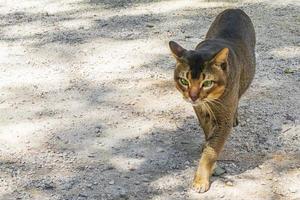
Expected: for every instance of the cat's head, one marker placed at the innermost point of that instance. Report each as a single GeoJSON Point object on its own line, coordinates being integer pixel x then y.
{"type": "Point", "coordinates": [200, 75]}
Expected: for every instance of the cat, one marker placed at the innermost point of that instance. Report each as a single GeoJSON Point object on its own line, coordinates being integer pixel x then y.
{"type": "Point", "coordinates": [213, 78]}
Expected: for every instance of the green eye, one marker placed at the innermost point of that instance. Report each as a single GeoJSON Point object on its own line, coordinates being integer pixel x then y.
{"type": "Point", "coordinates": [207, 84]}
{"type": "Point", "coordinates": [183, 81]}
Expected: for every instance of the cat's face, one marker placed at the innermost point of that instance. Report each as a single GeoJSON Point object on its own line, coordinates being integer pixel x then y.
{"type": "Point", "coordinates": [199, 76]}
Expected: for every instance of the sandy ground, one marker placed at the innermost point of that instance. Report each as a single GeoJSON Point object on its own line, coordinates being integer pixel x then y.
{"type": "Point", "coordinates": [88, 109]}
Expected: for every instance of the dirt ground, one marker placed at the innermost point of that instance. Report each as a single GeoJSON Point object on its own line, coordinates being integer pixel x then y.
{"type": "Point", "coordinates": [88, 109]}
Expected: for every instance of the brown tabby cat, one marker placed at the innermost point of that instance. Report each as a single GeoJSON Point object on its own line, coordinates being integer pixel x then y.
{"type": "Point", "coordinates": [213, 78]}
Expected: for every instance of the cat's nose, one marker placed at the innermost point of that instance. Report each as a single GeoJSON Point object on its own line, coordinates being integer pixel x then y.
{"type": "Point", "coordinates": [194, 94]}
{"type": "Point", "coordinates": [194, 97]}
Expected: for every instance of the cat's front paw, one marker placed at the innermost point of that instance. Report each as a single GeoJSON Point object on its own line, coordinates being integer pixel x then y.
{"type": "Point", "coordinates": [200, 185]}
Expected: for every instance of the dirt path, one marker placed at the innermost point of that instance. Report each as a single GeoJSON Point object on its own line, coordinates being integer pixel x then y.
{"type": "Point", "coordinates": [88, 109]}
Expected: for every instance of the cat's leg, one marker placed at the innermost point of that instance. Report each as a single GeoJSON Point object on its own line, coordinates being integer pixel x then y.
{"type": "Point", "coordinates": [207, 163]}
{"type": "Point", "coordinates": [204, 170]}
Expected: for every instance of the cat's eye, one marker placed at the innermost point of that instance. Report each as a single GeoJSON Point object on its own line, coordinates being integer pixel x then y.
{"type": "Point", "coordinates": [207, 84]}
{"type": "Point", "coordinates": [183, 81]}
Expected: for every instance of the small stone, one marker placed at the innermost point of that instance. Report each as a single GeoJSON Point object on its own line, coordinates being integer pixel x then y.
{"type": "Point", "coordinates": [289, 117]}
{"type": "Point", "coordinates": [137, 183]}
{"type": "Point", "coordinates": [269, 171]}
{"type": "Point", "coordinates": [123, 193]}
{"type": "Point", "coordinates": [242, 124]}
{"type": "Point", "coordinates": [126, 176]}
{"type": "Point", "coordinates": [82, 195]}
{"type": "Point", "coordinates": [132, 169]}
{"type": "Point", "coordinates": [229, 183]}
{"type": "Point", "coordinates": [48, 186]}
{"type": "Point", "coordinates": [98, 130]}
{"type": "Point", "coordinates": [260, 166]}
{"type": "Point", "coordinates": [111, 182]}
{"type": "Point", "coordinates": [145, 180]}
{"type": "Point", "coordinates": [219, 171]}
{"type": "Point", "coordinates": [292, 190]}
{"type": "Point", "coordinates": [110, 168]}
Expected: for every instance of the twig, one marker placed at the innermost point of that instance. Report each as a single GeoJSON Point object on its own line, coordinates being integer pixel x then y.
{"type": "Point", "coordinates": [286, 130]}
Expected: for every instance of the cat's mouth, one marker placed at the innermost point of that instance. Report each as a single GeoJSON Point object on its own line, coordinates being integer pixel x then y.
{"type": "Point", "coordinates": [194, 103]}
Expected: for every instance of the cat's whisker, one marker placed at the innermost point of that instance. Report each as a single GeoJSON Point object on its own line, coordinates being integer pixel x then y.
{"type": "Point", "coordinates": [216, 106]}
{"type": "Point", "coordinates": [219, 104]}
{"type": "Point", "coordinates": [203, 108]}
{"type": "Point", "coordinates": [210, 111]}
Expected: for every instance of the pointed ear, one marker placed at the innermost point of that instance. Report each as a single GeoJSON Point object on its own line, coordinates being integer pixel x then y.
{"type": "Point", "coordinates": [221, 56]}
{"type": "Point", "coordinates": [176, 49]}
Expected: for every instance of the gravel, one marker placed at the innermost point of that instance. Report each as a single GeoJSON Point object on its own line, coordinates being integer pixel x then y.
{"type": "Point", "coordinates": [88, 109]}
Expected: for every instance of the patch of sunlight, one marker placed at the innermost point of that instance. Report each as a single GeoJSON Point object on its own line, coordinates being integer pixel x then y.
{"type": "Point", "coordinates": [74, 24]}
{"type": "Point", "coordinates": [7, 51]}
{"type": "Point", "coordinates": [240, 187]}
{"type": "Point", "coordinates": [20, 67]}
{"type": "Point", "coordinates": [22, 31]}
{"type": "Point", "coordinates": [30, 76]}
{"type": "Point", "coordinates": [168, 182]}
{"type": "Point", "coordinates": [50, 6]}
{"type": "Point", "coordinates": [290, 185]}
{"type": "Point", "coordinates": [126, 164]}
{"type": "Point", "coordinates": [166, 7]}
{"type": "Point", "coordinates": [131, 128]}
{"type": "Point", "coordinates": [16, 137]}
{"type": "Point", "coordinates": [111, 55]}
{"type": "Point", "coordinates": [286, 52]}
{"type": "Point", "coordinates": [13, 114]}
{"type": "Point", "coordinates": [168, 100]}
{"type": "Point", "coordinates": [274, 176]}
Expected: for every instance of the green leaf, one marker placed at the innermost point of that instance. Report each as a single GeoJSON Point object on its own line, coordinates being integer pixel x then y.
{"type": "Point", "coordinates": [289, 71]}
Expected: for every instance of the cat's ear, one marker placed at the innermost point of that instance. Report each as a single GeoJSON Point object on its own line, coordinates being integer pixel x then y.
{"type": "Point", "coordinates": [176, 49]}
{"type": "Point", "coordinates": [221, 56]}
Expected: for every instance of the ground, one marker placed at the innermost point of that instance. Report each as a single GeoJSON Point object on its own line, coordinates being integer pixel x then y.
{"type": "Point", "coordinates": [88, 108]}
